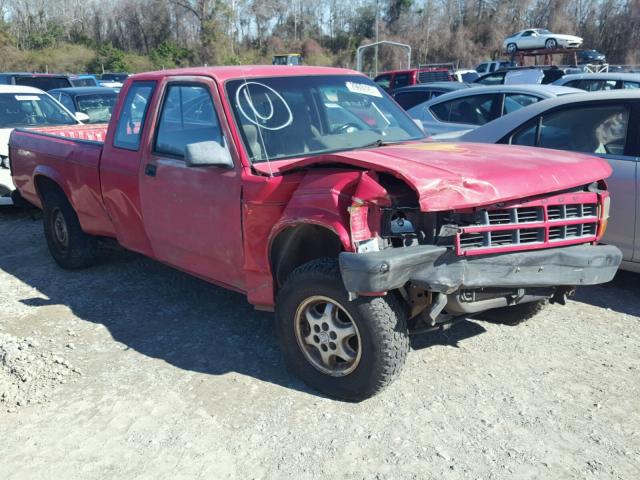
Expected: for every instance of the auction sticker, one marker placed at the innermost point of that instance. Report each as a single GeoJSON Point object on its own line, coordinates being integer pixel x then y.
{"type": "Point", "coordinates": [364, 89]}
{"type": "Point", "coordinates": [26, 98]}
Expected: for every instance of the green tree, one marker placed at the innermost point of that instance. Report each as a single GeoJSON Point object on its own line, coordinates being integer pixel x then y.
{"type": "Point", "coordinates": [169, 54]}
{"type": "Point", "coordinates": [108, 59]}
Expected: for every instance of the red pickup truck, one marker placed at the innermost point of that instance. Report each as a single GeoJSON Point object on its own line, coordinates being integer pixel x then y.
{"type": "Point", "coordinates": [313, 193]}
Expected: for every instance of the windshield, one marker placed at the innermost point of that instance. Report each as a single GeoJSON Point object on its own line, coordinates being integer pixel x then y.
{"type": "Point", "coordinates": [284, 117]}
{"type": "Point", "coordinates": [25, 110]}
{"type": "Point", "coordinates": [98, 106]}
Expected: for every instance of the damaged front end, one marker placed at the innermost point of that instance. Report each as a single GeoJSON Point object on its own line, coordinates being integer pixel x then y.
{"type": "Point", "coordinates": [476, 259]}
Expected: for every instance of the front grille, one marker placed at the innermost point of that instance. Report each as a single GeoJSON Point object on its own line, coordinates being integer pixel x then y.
{"type": "Point", "coordinates": [560, 220]}
{"type": "Point", "coordinates": [572, 231]}
{"type": "Point", "coordinates": [576, 210]}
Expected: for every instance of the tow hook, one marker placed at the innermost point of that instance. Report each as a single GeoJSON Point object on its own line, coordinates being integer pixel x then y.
{"type": "Point", "coordinates": [560, 297]}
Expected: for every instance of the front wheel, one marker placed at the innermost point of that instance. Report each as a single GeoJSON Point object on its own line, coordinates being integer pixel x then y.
{"type": "Point", "coordinates": [512, 48]}
{"type": "Point", "coordinates": [346, 349]}
{"type": "Point", "coordinates": [551, 43]}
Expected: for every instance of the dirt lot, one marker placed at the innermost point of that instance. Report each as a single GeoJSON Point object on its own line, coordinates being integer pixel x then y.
{"type": "Point", "coordinates": [133, 370]}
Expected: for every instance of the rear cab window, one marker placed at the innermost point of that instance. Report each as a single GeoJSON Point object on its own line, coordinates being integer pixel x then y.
{"type": "Point", "coordinates": [133, 115]}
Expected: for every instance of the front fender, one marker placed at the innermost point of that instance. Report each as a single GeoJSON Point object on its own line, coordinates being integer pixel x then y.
{"type": "Point", "coordinates": [322, 198]}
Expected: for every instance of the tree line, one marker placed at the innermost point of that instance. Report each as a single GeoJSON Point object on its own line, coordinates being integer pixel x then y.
{"type": "Point", "coordinates": [137, 35]}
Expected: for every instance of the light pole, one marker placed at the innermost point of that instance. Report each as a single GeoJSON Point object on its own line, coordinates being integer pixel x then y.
{"type": "Point", "coordinates": [376, 52]}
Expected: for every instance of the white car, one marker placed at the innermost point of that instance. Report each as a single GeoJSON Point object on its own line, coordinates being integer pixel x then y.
{"type": "Point", "coordinates": [539, 38]}
{"type": "Point", "coordinates": [24, 107]}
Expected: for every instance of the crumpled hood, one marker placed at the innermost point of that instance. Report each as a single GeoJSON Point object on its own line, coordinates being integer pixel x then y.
{"type": "Point", "coordinates": [450, 176]}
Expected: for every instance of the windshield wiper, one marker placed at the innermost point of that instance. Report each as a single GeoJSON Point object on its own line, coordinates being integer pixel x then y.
{"type": "Point", "coordinates": [381, 143]}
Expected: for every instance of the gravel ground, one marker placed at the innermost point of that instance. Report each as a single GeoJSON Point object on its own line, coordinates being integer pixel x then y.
{"type": "Point", "coordinates": [133, 370]}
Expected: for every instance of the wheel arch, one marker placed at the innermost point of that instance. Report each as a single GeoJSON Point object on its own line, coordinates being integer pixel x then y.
{"type": "Point", "coordinates": [45, 184]}
{"type": "Point", "coordinates": [46, 180]}
{"type": "Point", "coordinates": [295, 245]}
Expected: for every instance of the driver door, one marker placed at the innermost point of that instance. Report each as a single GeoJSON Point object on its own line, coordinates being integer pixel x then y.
{"type": "Point", "coordinates": [526, 40]}
{"type": "Point", "coordinates": [192, 213]}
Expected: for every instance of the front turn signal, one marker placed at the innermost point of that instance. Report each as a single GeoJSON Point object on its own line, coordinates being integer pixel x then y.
{"type": "Point", "coordinates": [605, 208]}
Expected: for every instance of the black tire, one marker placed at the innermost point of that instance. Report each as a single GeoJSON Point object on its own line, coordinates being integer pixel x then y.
{"type": "Point", "coordinates": [77, 249]}
{"type": "Point", "coordinates": [514, 314]}
{"type": "Point", "coordinates": [383, 339]}
{"type": "Point", "coordinates": [20, 202]}
{"type": "Point", "coordinates": [550, 44]}
{"type": "Point", "coordinates": [512, 48]}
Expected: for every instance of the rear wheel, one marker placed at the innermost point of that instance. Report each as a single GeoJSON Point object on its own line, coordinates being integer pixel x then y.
{"type": "Point", "coordinates": [512, 48]}
{"type": "Point", "coordinates": [515, 314]}
{"type": "Point", "coordinates": [69, 245]}
{"type": "Point", "coordinates": [551, 43]}
{"type": "Point", "coordinates": [349, 350]}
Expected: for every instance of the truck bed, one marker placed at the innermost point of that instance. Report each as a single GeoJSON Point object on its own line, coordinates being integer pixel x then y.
{"type": "Point", "coordinates": [70, 155]}
{"type": "Point", "coordinates": [94, 133]}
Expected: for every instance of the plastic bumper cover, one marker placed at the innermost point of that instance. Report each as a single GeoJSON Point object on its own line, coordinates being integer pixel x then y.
{"type": "Point", "coordinates": [440, 270]}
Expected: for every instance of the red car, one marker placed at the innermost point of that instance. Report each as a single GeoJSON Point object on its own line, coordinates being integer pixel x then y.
{"type": "Point", "coordinates": [401, 78]}
{"type": "Point", "coordinates": [266, 180]}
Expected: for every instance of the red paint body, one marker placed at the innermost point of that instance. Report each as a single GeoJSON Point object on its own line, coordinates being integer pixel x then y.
{"type": "Point", "coordinates": [224, 234]}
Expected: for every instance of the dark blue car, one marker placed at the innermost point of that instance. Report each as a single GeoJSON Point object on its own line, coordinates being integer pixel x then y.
{"type": "Point", "coordinates": [96, 102]}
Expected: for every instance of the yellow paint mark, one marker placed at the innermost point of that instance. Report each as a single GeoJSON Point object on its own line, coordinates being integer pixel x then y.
{"type": "Point", "coordinates": [434, 147]}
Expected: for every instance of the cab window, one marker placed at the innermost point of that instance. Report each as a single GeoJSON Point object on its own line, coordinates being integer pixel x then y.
{"type": "Point", "coordinates": [133, 116]}
{"type": "Point", "coordinates": [188, 116]}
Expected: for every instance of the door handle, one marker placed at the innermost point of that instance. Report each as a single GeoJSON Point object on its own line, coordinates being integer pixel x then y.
{"type": "Point", "coordinates": [150, 170]}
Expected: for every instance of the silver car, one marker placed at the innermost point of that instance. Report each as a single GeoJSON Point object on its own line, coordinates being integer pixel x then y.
{"type": "Point", "coordinates": [593, 82]}
{"type": "Point", "coordinates": [606, 124]}
{"type": "Point", "coordinates": [471, 107]}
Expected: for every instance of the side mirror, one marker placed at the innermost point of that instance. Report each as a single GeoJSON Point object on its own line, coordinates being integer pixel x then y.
{"type": "Point", "coordinates": [82, 117]}
{"type": "Point", "coordinates": [208, 153]}
{"type": "Point", "coordinates": [419, 124]}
